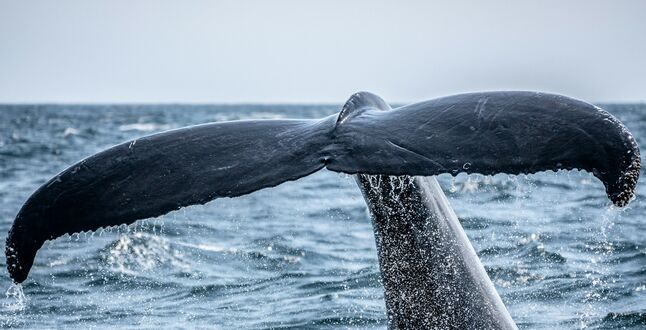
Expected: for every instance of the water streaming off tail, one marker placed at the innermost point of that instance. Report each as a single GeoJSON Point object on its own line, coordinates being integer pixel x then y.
{"type": "Point", "coordinates": [600, 267]}
{"type": "Point", "coordinates": [17, 298]}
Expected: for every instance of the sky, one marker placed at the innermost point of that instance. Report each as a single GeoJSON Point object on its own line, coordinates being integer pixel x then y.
{"type": "Point", "coordinates": [317, 51]}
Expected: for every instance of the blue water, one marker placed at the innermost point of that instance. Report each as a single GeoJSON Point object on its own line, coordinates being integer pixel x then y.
{"type": "Point", "coordinates": [302, 255]}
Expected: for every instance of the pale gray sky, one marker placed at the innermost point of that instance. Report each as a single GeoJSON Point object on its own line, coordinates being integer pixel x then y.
{"type": "Point", "coordinates": [317, 51]}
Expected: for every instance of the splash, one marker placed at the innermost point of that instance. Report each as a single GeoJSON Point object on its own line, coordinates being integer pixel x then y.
{"type": "Point", "coordinates": [141, 252]}
{"type": "Point", "coordinates": [18, 298]}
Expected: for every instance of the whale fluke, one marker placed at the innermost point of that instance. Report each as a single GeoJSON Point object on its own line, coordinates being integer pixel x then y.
{"type": "Point", "coordinates": [488, 133]}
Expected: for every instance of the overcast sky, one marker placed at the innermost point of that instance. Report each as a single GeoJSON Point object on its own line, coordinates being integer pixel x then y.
{"type": "Point", "coordinates": [317, 51]}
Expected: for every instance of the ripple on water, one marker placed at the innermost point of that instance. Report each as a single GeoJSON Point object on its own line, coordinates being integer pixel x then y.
{"type": "Point", "coordinates": [302, 255]}
{"type": "Point", "coordinates": [622, 320]}
{"type": "Point", "coordinates": [134, 253]}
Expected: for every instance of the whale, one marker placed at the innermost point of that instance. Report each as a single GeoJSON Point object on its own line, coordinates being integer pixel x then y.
{"type": "Point", "coordinates": [431, 274]}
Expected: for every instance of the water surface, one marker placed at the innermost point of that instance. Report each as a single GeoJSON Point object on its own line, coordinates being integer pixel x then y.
{"type": "Point", "coordinates": [302, 255]}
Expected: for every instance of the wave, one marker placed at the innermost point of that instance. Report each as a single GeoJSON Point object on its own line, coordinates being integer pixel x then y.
{"type": "Point", "coordinates": [144, 127]}
{"type": "Point", "coordinates": [136, 253]}
{"type": "Point", "coordinates": [623, 320]}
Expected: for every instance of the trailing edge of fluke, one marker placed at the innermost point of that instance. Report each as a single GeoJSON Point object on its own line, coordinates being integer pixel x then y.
{"type": "Point", "coordinates": [487, 133]}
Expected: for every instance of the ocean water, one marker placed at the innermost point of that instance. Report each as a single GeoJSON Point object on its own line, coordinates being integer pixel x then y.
{"type": "Point", "coordinates": [302, 255]}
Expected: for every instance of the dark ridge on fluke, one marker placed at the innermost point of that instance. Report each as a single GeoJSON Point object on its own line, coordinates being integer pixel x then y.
{"type": "Point", "coordinates": [487, 133]}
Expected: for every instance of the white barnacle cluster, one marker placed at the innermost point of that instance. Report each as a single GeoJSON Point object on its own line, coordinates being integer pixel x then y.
{"type": "Point", "coordinates": [628, 182]}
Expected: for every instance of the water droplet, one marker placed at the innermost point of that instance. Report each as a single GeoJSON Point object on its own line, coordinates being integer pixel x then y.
{"type": "Point", "coordinates": [20, 301]}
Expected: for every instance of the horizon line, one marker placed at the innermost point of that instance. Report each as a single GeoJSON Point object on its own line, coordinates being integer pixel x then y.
{"type": "Point", "coordinates": [235, 103]}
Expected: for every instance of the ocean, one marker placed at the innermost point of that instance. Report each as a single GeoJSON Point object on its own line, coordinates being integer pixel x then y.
{"type": "Point", "coordinates": [302, 255]}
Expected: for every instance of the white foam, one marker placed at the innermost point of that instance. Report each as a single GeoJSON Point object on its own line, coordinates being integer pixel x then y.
{"type": "Point", "coordinates": [16, 294]}
{"type": "Point", "coordinates": [144, 127]}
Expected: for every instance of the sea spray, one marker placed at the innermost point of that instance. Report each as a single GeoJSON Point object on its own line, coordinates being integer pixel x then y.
{"type": "Point", "coordinates": [16, 296]}
{"type": "Point", "coordinates": [598, 268]}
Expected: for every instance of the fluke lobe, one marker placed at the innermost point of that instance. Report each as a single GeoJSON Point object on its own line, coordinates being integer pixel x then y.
{"type": "Point", "coordinates": [487, 133]}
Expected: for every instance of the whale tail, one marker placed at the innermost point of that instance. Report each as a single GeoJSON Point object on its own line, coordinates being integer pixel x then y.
{"type": "Point", "coordinates": [488, 133]}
